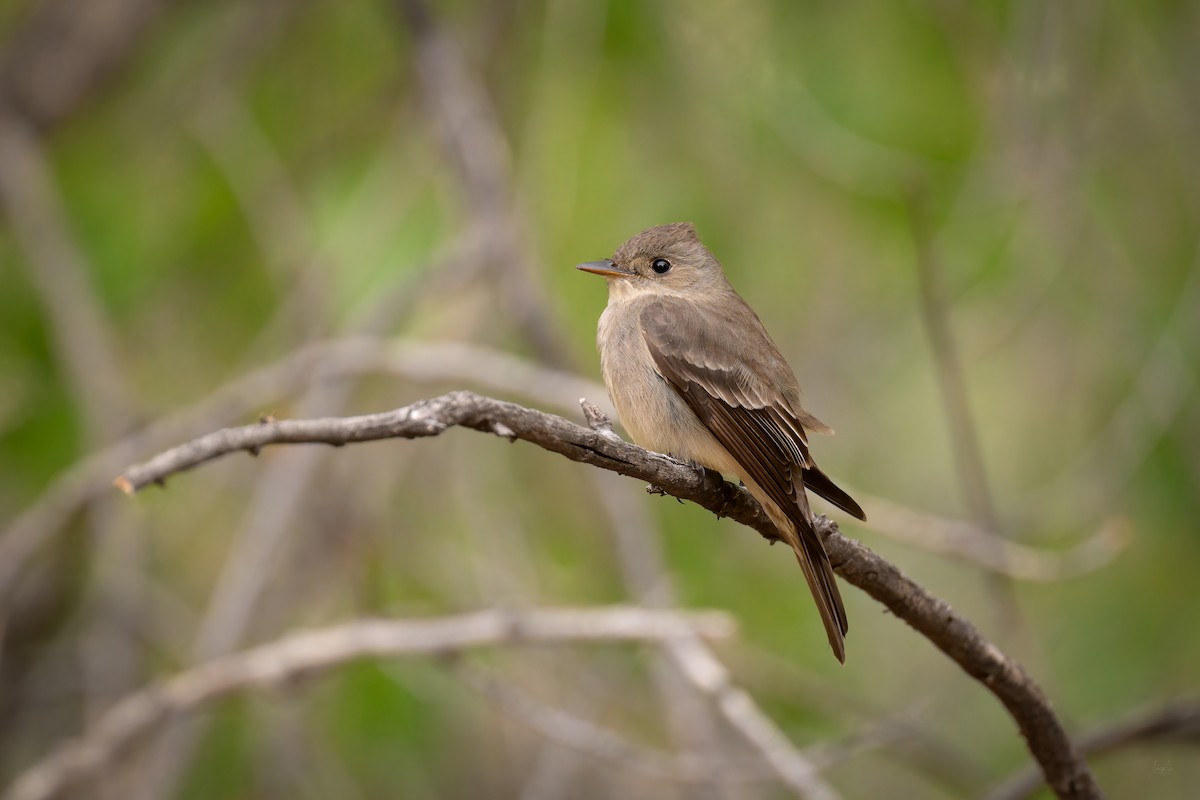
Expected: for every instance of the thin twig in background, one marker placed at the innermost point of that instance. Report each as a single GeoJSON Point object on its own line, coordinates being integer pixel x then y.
{"type": "Point", "coordinates": [920, 743]}
{"type": "Point", "coordinates": [968, 457]}
{"type": "Point", "coordinates": [303, 655]}
{"type": "Point", "coordinates": [86, 349]}
{"type": "Point", "coordinates": [1065, 771]}
{"type": "Point", "coordinates": [1177, 720]}
{"type": "Point", "coordinates": [1157, 394]}
{"type": "Point", "coordinates": [84, 341]}
{"type": "Point", "coordinates": [970, 470]}
{"type": "Point", "coordinates": [970, 543]}
{"type": "Point", "coordinates": [642, 564]}
{"type": "Point", "coordinates": [473, 142]}
{"type": "Point", "coordinates": [269, 522]}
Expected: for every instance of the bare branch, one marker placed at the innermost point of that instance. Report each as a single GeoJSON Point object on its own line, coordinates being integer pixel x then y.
{"type": "Point", "coordinates": [954, 635]}
{"type": "Point", "coordinates": [430, 418]}
{"type": "Point", "coordinates": [319, 651]}
{"type": "Point", "coordinates": [1176, 720]}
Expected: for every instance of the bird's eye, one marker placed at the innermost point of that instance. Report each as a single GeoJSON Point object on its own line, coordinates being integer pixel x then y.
{"type": "Point", "coordinates": [661, 265]}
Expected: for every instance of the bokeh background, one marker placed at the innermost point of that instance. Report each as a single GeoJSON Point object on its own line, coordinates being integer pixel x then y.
{"type": "Point", "coordinates": [913, 195]}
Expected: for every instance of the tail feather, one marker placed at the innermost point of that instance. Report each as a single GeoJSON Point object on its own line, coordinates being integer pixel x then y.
{"type": "Point", "coordinates": [821, 485]}
{"type": "Point", "coordinates": [797, 531]}
{"type": "Point", "coordinates": [821, 583]}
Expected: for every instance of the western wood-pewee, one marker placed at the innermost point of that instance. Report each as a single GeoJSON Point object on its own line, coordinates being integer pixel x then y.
{"type": "Point", "coordinates": [693, 373]}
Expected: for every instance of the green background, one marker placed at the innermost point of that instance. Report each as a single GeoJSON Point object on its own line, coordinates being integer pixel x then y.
{"type": "Point", "coordinates": [259, 176]}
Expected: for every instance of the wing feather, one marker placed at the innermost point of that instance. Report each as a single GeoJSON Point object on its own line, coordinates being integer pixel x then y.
{"type": "Point", "coordinates": [756, 423]}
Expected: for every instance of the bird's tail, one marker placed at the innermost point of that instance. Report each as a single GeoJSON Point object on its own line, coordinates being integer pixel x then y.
{"type": "Point", "coordinates": [797, 530]}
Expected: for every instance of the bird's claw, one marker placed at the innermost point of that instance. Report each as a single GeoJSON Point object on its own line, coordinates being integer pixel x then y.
{"type": "Point", "coordinates": [659, 491]}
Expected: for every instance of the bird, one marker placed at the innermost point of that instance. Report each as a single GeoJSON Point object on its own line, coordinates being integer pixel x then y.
{"type": "Point", "coordinates": [693, 373]}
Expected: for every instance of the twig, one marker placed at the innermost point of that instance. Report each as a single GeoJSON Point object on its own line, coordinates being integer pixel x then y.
{"type": "Point", "coordinates": [317, 652]}
{"type": "Point", "coordinates": [430, 418]}
{"type": "Point", "coordinates": [1065, 771]}
{"type": "Point", "coordinates": [1175, 720]}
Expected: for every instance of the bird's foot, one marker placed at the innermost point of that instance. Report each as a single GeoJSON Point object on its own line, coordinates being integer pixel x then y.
{"type": "Point", "coordinates": [659, 491]}
{"type": "Point", "coordinates": [729, 494]}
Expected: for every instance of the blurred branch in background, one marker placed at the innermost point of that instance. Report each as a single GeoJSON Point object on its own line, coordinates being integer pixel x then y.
{"type": "Point", "coordinates": [85, 343]}
{"type": "Point", "coordinates": [697, 662]}
{"type": "Point", "coordinates": [970, 470]}
{"type": "Point", "coordinates": [282, 228]}
{"type": "Point", "coordinates": [968, 542]}
{"type": "Point", "coordinates": [268, 526]}
{"type": "Point", "coordinates": [605, 745]}
{"type": "Point", "coordinates": [65, 51]}
{"type": "Point", "coordinates": [1066, 773]}
{"type": "Point", "coordinates": [495, 371]}
{"type": "Point", "coordinates": [1177, 720]}
{"type": "Point", "coordinates": [86, 350]}
{"type": "Point", "coordinates": [50, 67]}
{"type": "Point", "coordinates": [968, 457]}
{"type": "Point", "coordinates": [1157, 397]}
{"type": "Point", "coordinates": [301, 656]}
{"type": "Point", "coordinates": [473, 142]}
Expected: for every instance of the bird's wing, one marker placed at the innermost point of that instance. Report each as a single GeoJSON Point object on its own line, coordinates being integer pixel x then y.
{"type": "Point", "coordinates": [728, 385]}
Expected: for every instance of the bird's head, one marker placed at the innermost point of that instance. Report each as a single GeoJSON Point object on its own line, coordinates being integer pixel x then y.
{"type": "Point", "coordinates": [667, 259]}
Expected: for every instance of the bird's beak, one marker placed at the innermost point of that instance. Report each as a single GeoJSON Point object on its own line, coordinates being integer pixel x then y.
{"type": "Point", "coordinates": [606, 268]}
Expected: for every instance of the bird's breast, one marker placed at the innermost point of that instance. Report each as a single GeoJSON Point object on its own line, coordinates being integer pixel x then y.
{"type": "Point", "coordinates": [652, 412]}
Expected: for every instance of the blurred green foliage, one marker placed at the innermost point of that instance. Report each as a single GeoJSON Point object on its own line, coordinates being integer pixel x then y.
{"type": "Point", "coordinates": [243, 152]}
